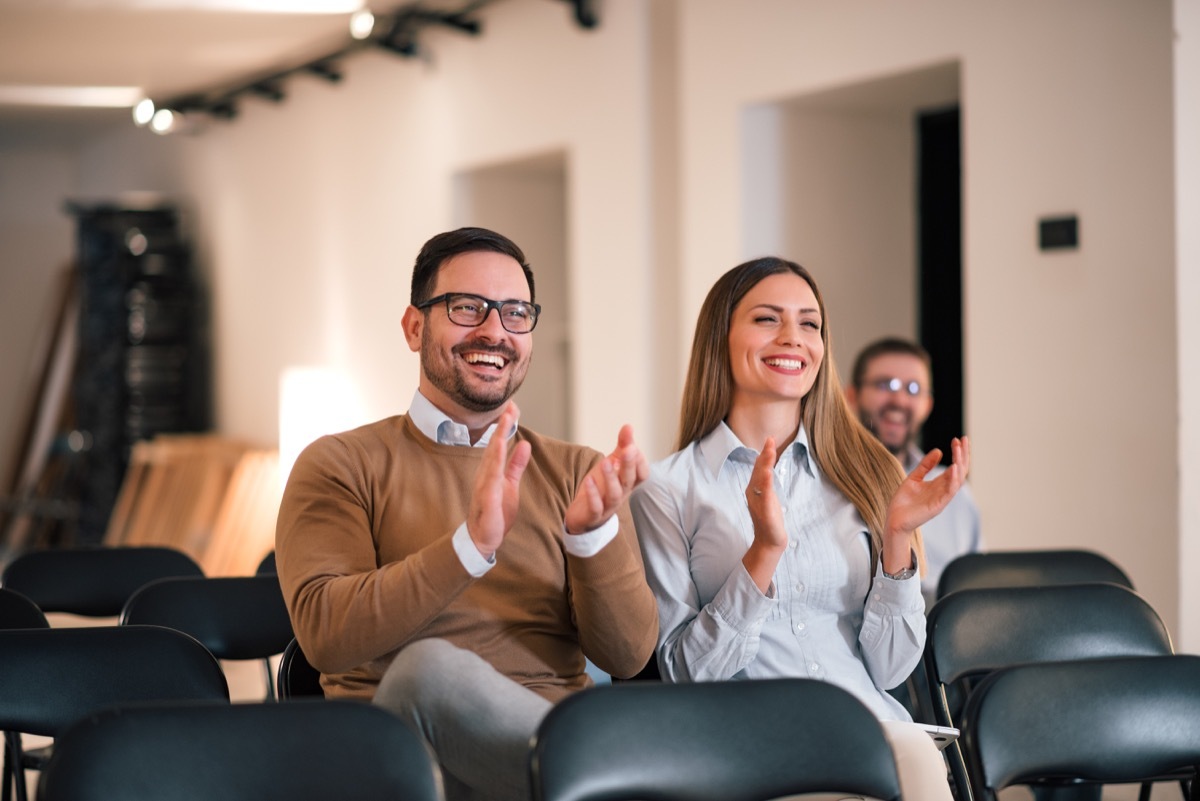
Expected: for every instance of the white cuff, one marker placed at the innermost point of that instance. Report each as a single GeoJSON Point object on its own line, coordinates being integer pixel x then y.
{"type": "Point", "coordinates": [474, 562]}
{"type": "Point", "coordinates": [589, 543]}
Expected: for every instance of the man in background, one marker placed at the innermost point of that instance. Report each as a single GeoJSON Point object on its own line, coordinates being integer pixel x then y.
{"type": "Point", "coordinates": [891, 390]}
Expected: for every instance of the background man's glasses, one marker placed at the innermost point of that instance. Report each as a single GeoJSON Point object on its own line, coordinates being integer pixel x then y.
{"type": "Point", "coordinates": [469, 311]}
{"type": "Point", "coordinates": [911, 388]}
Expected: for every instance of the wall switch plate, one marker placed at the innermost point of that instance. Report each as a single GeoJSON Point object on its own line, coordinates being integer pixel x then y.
{"type": "Point", "coordinates": [1058, 233]}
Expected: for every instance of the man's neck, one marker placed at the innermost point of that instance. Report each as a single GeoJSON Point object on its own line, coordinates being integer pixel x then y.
{"type": "Point", "coordinates": [476, 423]}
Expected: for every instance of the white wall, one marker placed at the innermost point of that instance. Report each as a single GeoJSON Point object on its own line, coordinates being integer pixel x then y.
{"type": "Point", "coordinates": [307, 216]}
{"type": "Point", "coordinates": [1187, 304]}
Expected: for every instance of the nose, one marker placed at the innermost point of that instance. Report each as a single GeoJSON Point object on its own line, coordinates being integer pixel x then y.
{"type": "Point", "coordinates": [491, 327]}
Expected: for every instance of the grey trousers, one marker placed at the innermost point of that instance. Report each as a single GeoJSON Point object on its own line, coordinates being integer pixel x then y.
{"type": "Point", "coordinates": [478, 722]}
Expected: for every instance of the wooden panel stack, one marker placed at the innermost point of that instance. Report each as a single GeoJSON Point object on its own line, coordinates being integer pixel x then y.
{"type": "Point", "coordinates": [216, 499]}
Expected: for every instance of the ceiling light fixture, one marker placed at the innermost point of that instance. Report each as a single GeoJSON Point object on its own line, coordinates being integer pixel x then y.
{"type": "Point", "coordinates": [397, 32]}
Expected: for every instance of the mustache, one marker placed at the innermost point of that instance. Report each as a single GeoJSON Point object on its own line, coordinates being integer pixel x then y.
{"type": "Point", "coordinates": [499, 349]}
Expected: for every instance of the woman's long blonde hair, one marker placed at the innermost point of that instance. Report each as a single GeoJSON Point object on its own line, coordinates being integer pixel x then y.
{"type": "Point", "coordinates": [845, 451]}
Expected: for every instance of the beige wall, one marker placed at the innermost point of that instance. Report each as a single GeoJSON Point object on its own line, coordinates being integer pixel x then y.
{"type": "Point", "coordinates": [307, 216]}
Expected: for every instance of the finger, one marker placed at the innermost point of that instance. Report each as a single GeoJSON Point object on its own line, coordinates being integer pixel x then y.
{"type": "Point", "coordinates": [625, 437]}
{"type": "Point", "coordinates": [611, 490]}
{"type": "Point", "coordinates": [928, 463]}
{"type": "Point", "coordinates": [518, 461]}
{"type": "Point", "coordinates": [591, 497]}
{"type": "Point", "coordinates": [762, 478]}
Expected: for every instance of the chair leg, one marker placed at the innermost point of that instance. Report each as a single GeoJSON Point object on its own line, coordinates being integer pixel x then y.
{"type": "Point", "coordinates": [1145, 790]}
{"type": "Point", "coordinates": [8, 776]}
{"type": "Point", "coordinates": [12, 752]}
{"type": "Point", "coordinates": [270, 679]}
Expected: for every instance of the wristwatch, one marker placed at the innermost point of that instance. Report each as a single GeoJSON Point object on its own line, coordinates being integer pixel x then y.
{"type": "Point", "coordinates": [906, 573]}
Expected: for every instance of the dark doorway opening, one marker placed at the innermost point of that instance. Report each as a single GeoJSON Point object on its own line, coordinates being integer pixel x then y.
{"type": "Point", "coordinates": [939, 270]}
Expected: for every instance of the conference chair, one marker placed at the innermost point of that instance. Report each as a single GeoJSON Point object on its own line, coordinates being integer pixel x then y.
{"type": "Point", "coordinates": [50, 677]}
{"type": "Point", "coordinates": [1028, 569]}
{"type": "Point", "coordinates": [235, 617]}
{"type": "Point", "coordinates": [92, 582]}
{"type": "Point", "coordinates": [711, 741]}
{"type": "Point", "coordinates": [971, 633]}
{"type": "Point", "coordinates": [300, 751]}
{"type": "Point", "coordinates": [297, 678]}
{"type": "Point", "coordinates": [267, 565]}
{"type": "Point", "coordinates": [16, 612]}
{"type": "Point", "coordinates": [1102, 721]}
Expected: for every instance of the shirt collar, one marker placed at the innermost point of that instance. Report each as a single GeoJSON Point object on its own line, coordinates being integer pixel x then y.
{"type": "Point", "coordinates": [439, 427]}
{"type": "Point", "coordinates": [912, 456]}
{"type": "Point", "coordinates": [721, 444]}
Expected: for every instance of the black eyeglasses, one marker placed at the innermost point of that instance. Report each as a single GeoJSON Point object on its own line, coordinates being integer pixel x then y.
{"type": "Point", "coordinates": [911, 388]}
{"type": "Point", "coordinates": [469, 311]}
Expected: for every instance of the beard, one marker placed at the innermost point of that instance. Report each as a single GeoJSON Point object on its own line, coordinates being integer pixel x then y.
{"type": "Point", "coordinates": [467, 389]}
{"type": "Point", "coordinates": [898, 451]}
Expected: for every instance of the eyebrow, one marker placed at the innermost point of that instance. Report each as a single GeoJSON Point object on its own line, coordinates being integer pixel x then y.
{"type": "Point", "coordinates": [773, 307]}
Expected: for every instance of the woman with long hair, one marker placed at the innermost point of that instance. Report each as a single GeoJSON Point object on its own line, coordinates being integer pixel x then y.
{"type": "Point", "coordinates": [781, 538]}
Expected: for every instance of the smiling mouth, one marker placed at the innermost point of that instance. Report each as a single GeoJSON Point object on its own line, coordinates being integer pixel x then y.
{"type": "Point", "coordinates": [490, 358]}
{"type": "Point", "coordinates": [784, 364]}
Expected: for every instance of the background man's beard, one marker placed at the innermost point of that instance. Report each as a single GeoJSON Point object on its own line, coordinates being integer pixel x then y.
{"type": "Point", "coordinates": [869, 423]}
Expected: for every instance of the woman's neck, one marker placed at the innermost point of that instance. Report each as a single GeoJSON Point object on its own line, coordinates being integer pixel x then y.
{"type": "Point", "coordinates": [753, 423]}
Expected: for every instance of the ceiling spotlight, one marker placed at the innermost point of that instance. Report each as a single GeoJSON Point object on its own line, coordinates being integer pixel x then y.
{"type": "Point", "coordinates": [326, 70]}
{"type": "Point", "coordinates": [271, 90]}
{"type": "Point", "coordinates": [362, 22]}
{"type": "Point", "coordinates": [163, 121]}
{"type": "Point", "coordinates": [143, 112]}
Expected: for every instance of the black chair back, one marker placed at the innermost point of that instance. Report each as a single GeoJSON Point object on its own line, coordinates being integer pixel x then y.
{"type": "Point", "coordinates": [1106, 721]}
{"type": "Point", "coordinates": [18, 612]}
{"type": "Point", "coordinates": [93, 582]}
{"type": "Point", "coordinates": [711, 741]}
{"type": "Point", "coordinates": [51, 677]}
{"type": "Point", "coordinates": [237, 617]}
{"type": "Point", "coordinates": [1028, 569]}
{"type": "Point", "coordinates": [297, 678]}
{"type": "Point", "coordinates": [346, 750]}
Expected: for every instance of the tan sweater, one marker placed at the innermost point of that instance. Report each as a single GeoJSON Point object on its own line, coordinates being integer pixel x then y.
{"type": "Point", "coordinates": [366, 563]}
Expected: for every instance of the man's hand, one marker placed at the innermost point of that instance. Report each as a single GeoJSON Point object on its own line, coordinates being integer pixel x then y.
{"type": "Point", "coordinates": [607, 485]}
{"type": "Point", "coordinates": [496, 496]}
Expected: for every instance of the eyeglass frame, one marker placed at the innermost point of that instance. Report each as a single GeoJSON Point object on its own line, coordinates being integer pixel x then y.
{"type": "Point", "coordinates": [912, 389]}
{"type": "Point", "coordinates": [488, 305]}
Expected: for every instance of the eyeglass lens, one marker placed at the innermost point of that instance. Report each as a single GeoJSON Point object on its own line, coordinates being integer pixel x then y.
{"type": "Point", "coordinates": [912, 388]}
{"type": "Point", "coordinates": [517, 316]}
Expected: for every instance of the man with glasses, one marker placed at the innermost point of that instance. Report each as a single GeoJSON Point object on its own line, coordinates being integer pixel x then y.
{"type": "Point", "coordinates": [451, 565]}
{"type": "Point", "coordinates": [891, 389]}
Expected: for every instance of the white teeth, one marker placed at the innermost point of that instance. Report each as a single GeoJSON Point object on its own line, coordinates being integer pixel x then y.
{"type": "Point", "coordinates": [787, 364]}
{"type": "Point", "coordinates": [485, 358]}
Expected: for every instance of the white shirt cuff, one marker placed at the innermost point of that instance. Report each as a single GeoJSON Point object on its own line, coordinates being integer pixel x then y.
{"type": "Point", "coordinates": [474, 562]}
{"type": "Point", "coordinates": [589, 543]}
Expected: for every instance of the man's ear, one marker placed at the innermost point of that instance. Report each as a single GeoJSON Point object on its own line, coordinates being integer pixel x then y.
{"type": "Point", "coordinates": [852, 397]}
{"type": "Point", "coordinates": [413, 323]}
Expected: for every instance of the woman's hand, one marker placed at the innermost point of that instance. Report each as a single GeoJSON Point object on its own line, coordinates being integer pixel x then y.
{"type": "Point", "coordinates": [766, 515]}
{"type": "Point", "coordinates": [917, 501]}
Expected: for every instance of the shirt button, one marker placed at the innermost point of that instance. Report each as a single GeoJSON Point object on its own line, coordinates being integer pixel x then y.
{"type": "Point", "coordinates": [800, 626]}
{"type": "Point", "coordinates": [800, 587]}
{"type": "Point", "coordinates": [814, 668]}
{"type": "Point", "coordinates": [878, 597]}
{"type": "Point", "coordinates": [793, 545]}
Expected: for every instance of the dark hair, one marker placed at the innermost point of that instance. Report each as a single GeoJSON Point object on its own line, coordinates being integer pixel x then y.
{"type": "Point", "coordinates": [444, 246]}
{"type": "Point", "coordinates": [883, 347]}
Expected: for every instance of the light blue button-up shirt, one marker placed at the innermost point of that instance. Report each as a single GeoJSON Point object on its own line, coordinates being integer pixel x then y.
{"type": "Point", "coordinates": [823, 617]}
